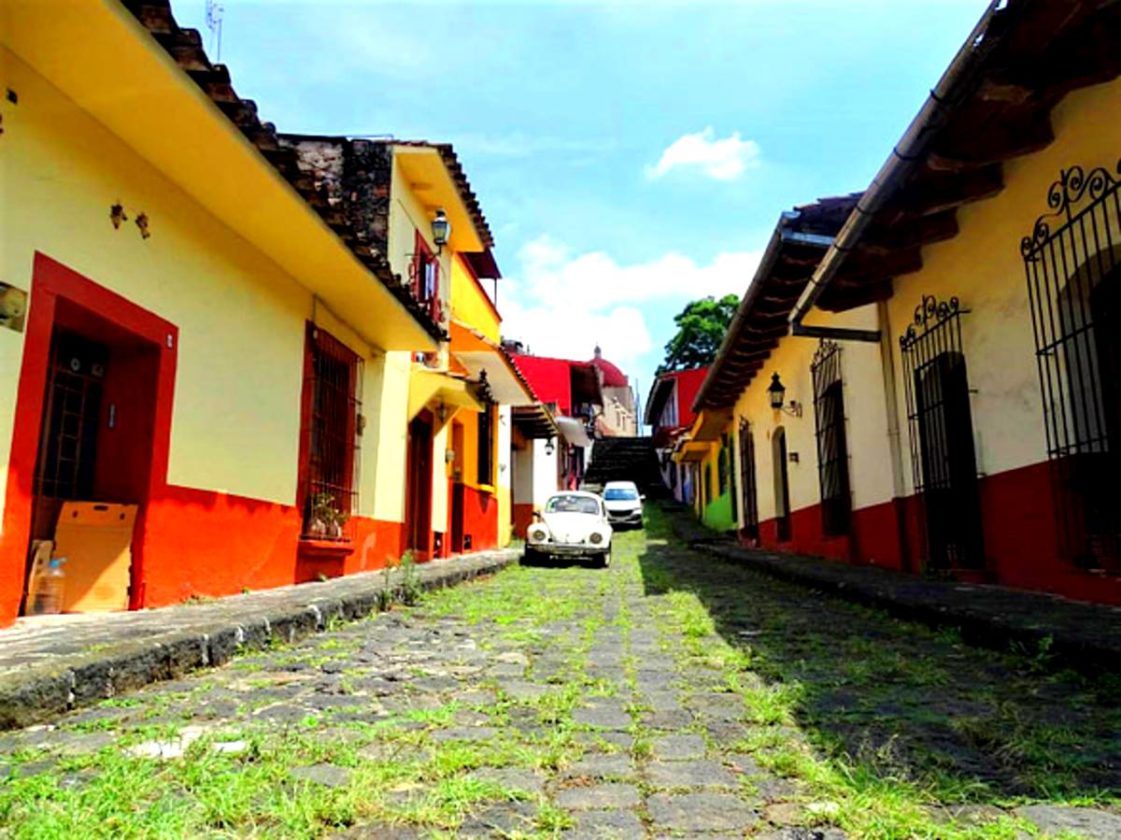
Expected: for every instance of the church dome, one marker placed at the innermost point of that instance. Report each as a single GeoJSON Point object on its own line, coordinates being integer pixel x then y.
{"type": "Point", "coordinates": [612, 376]}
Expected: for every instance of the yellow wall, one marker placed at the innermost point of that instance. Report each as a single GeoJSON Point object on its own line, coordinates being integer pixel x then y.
{"type": "Point", "coordinates": [865, 419]}
{"type": "Point", "coordinates": [982, 266]}
{"type": "Point", "coordinates": [470, 304]}
{"type": "Point", "coordinates": [407, 215]}
{"type": "Point", "coordinates": [235, 424]}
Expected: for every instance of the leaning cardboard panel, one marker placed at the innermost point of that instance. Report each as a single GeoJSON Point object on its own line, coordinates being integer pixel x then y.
{"type": "Point", "coordinates": [96, 540]}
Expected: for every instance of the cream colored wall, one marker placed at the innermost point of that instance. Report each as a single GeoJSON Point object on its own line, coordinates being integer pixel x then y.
{"type": "Point", "coordinates": [865, 419]}
{"type": "Point", "coordinates": [239, 377]}
{"type": "Point", "coordinates": [240, 317]}
{"type": "Point", "coordinates": [983, 268]}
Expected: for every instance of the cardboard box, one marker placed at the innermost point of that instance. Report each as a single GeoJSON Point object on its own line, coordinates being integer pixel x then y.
{"type": "Point", "coordinates": [96, 540]}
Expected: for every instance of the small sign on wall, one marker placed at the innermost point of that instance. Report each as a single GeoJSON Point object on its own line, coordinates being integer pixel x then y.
{"type": "Point", "coordinates": [13, 307]}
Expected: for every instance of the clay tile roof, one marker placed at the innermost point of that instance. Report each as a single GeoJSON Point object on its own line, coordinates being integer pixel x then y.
{"type": "Point", "coordinates": [185, 48]}
{"type": "Point", "coordinates": [799, 241]}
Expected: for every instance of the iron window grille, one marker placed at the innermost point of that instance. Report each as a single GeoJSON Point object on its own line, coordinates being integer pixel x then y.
{"type": "Point", "coordinates": [333, 405]}
{"type": "Point", "coordinates": [747, 470]}
{"type": "Point", "coordinates": [729, 450]}
{"type": "Point", "coordinates": [722, 467]}
{"type": "Point", "coordinates": [1071, 261]}
{"type": "Point", "coordinates": [943, 458]}
{"type": "Point", "coordinates": [832, 444]}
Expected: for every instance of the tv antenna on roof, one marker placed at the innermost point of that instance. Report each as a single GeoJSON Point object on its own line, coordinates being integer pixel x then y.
{"type": "Point", "coordinates": [214, 11]}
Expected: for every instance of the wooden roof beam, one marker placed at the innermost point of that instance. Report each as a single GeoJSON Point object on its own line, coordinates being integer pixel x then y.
{"type": "Point", "coordinates": [945, 191]}
{"type": "Point", "coordinates": [1002, 139]}
{"type": "Point", "coordinates": [911, 232]}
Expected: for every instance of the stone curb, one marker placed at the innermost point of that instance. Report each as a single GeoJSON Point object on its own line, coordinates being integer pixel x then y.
{"type": "Point", "coordinates": [39, 692]}
{"type": "Point", "coordinates": [1075, 634]}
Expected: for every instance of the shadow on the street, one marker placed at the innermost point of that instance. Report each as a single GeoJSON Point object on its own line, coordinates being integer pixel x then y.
{"type": "Point", "coordinates": [905, 701]}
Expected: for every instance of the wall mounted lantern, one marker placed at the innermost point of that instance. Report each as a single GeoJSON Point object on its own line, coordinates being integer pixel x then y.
{"type": "Point", "coordinates": [777, 392]}
{"type": "Point", "coordinates": [441, 230]}
{"type": "Point", "coordinates": [550, 447]}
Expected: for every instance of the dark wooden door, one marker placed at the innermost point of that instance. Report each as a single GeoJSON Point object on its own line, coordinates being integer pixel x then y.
{"type": "Point", "coordinates": [418, 505]}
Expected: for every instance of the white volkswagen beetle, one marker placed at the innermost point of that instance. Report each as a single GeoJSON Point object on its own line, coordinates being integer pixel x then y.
{"type": "Point", "coordinates": [573, 524]}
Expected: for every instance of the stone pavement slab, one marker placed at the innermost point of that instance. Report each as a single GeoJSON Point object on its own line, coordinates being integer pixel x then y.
{"type": "Point", "coordinates": [49, 664]}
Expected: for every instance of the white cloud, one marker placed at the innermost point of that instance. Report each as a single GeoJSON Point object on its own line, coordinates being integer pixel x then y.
{"type": "Point", "coordinates": [563, 304]}
{"type": "Point", "coordinates": [720, 159]}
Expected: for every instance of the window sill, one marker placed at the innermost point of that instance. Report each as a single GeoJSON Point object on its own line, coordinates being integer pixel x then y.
{"type": "Point", "coordinates": [485, 488]}
{"type": "Point", "coordinates": [324, 550]}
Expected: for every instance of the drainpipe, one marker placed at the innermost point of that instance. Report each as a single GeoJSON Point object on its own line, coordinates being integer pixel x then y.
{"type": "Point", "coordinates": [905, 157]}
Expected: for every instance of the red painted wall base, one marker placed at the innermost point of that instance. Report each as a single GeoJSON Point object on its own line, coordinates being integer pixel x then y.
{"type": "Point", "coordinates": [1020, 538]}
{"type": "Point", "coordinates": [523, 518]}
{"type": "Point", "coordinates": [480, 519]}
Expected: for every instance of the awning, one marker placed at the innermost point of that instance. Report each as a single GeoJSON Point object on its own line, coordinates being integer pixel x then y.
{"type": "Point", "coordinates": [481, 356]}
{"type": "Point", "coordinates": [573, 431]}
{"type": "Point", "coordinates": [428, 387]}
{"type": "Point", "coordinates": [534, 422]}
{"type": "Point", "coordinates": [710, 423]}
{"type": "Point", "coordinates": [692, 452]}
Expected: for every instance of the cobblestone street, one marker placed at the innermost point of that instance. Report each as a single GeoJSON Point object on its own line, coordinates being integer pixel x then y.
{"type": "Point", "coordinates": [671, 695]}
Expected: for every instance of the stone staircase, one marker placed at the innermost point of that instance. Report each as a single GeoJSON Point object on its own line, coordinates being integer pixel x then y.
{"type": "Point", "coordinates": [626, 459]}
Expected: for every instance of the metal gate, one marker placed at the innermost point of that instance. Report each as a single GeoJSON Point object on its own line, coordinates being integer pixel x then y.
{"type": "Point", "coordinates": [832, 446]}
{"type": "Point", "coordinates": [747, 472]}
{"type": "Point", "coordinates": [1071, 260]}
{"type": "Point", "coordinates": [943, 460]}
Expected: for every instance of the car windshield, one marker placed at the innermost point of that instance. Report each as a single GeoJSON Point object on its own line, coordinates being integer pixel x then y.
{"type": "Point", "coordinates": [572, 504]}
{"type": "Point", "coordinates": [620, 494]}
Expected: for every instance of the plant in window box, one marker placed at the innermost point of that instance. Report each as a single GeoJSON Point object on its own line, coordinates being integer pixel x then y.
{"type": "Point", "coordinates": [326, 518]}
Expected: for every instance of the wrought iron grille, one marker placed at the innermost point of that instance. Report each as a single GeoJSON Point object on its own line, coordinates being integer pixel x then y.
{"type": "Point", "coordinates": [334, 381]}
{"type": "Point", "coordinates": [728, 452]}
{"type": "Point", "coordinates": [1071, 260]}
{"type": "Point", "coordinates": [943, 459]}
{"type": "Point", "coordinates": [722, 467]}
{"type": "Point", "coordinates": [747, 470]}
{"type": "Point", "coordinates": [832, 445]}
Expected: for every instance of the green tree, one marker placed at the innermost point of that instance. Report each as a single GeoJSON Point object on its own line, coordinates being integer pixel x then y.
{"type": "Point", "coordinates": [700, 329]}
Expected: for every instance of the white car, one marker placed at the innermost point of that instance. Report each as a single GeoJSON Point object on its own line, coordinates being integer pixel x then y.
{"type": "Point", "coordinates": [624, 503]}
{"type": "Point", "coordinates": [573, 524]}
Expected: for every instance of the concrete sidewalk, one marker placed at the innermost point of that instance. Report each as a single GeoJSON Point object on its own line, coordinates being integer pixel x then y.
{"type": "Point", "coordinates": [1076, 634]}
{"type": "Point", "coordinates": [49, 664]}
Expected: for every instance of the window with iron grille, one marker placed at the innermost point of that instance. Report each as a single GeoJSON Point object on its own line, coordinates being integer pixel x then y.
{"type": "Point", "coordinates": [1072, 260]}
{"type": "Point", "coordinates": [729, 455]}
{"type": "Point", "coordinates": [747, 471]}
{"type": "Point", "coordinates": [722, 467]}
{"type": "Point", "coordinates": [943, 456]}
{"type": "Point", "coordinates": [832, 446]}
{"type": "Point", "coordinates": [330, 436]}
{"type": "Point", "coordinates": [486, 445]}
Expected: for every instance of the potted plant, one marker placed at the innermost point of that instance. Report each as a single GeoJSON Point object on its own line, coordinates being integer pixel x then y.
{"type": "Point", "coordinates": [326, 518]}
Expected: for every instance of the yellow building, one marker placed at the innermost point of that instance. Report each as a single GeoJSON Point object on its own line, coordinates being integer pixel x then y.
{"type": "Point", "coordinates": [924, 377]}
{"type": "Point", "coordinates": [411, 201]}
{"type": "Point", "coordinates": [188, 330]}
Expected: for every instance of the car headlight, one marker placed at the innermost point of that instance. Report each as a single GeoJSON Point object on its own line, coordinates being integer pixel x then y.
{"type": "Point", "coordinates": [538, 534]}
{"type": "Point", "coordinates": [595, 538]}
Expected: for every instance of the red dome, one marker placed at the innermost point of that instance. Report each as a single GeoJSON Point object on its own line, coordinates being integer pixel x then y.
{"type": "Point", "coordinates": [612, 376]}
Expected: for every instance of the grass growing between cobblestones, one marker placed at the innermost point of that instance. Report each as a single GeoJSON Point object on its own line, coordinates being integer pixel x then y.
{"type": "Point", "coordinates": [671, 695]}
{"type": "Point", "coordinates": [892, 729]}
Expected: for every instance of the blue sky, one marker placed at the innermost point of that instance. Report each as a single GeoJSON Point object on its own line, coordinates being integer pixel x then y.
{"type": "Point", "coordinates": [630, 156]}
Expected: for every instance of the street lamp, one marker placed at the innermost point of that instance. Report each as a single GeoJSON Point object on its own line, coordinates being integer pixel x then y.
{"type": "Point", "coordinates": [777, 392]}
{"type": "Point", "coordinates": [441, 230]}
